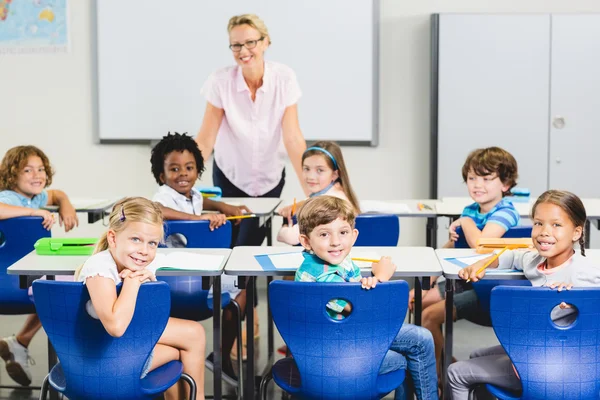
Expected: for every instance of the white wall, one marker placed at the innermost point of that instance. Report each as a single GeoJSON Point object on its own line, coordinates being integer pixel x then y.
{"type": "Point", "coordinates": [48, 100]}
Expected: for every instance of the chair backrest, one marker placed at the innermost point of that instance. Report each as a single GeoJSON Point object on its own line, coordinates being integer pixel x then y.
{"type": "Point", "coordinates": [553, 362]}
{"type": "Point", "coordinates": [188, 299]}
{"type": "Point", "coordinates": [17, 237]}
{"type": "Point", "coordinates": [199, 235]}
{"type": "Point", "coordinates": [338, 358]}
{"type": "Point", "coordinates": [377, 230]}
{"type": "Point", "coordinates": [95, 364]}
{"type": "Point", "coordinates": [515, 233]}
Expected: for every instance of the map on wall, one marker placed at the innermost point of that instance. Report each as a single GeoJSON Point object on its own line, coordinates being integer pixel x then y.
{"type": "Point", "coordinates": [33, 26]}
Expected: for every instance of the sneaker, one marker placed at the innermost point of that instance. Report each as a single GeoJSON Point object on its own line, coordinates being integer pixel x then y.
{"type": "Point", "coordinates": [227, 372]}
{"type": "Point", "coordinates": [17, 360]}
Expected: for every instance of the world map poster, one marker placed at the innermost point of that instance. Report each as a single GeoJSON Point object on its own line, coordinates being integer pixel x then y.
{"type": "Point", "coordinates": [34, 26]}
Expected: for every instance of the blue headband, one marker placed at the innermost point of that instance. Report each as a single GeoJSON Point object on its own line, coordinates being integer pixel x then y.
{"type": "Point", "coordinates": [322, 150]}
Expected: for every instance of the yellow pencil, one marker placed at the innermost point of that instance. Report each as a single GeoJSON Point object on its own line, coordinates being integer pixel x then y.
{"type": "Point", "coordinates": [487, 264]}
{"type": "Point", "coordinates": [241, 216]}
{"type": "Point", "coordinates": [294, 208]}
{"type": "Point", "coordinates": [364, 259]}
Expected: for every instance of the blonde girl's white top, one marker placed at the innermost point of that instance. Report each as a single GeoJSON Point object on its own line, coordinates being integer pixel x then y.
{"type": "Point", "coordinates": [249, 147]}
{"type": "Point", "coordinates": [291, 234]}
{"type": "Point", "coordinates": [102, 264]}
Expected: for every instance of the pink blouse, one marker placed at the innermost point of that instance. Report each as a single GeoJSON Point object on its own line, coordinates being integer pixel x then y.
{"type": "Point", "coordinates": [249, 147]}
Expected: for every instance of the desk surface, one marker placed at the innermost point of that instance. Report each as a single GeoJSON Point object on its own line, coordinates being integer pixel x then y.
{"type": "Point", "coordinates": [410, 261]}
{"type": "Point", "coordinates": [34, 264]}
{"type": "Point", "coordinates": [88, 205]}
{"type": "Point", "coordinates": [451, 270]}
{"type": "Point", "coordinates": [261, 206]}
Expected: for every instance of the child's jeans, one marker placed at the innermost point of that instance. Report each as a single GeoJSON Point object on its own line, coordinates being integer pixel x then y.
{"type": "Point", "coordinates": [413, 349]}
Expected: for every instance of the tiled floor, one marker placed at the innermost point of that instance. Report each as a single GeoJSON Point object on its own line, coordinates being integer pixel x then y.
{"type": "Point", "coordinates": [467, 337]}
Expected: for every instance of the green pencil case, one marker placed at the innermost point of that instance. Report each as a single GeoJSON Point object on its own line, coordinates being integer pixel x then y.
{"type": "Point", "coordinates": [65, 246]}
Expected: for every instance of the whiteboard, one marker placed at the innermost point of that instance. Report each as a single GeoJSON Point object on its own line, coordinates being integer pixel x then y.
{"type": "Point", "coordinates": [154, 56]}
{"type": "Point", "coordinates": [493, 75]}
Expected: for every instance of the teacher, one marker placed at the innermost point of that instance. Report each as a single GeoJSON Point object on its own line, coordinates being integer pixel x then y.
{"type": "Point", "coordinates": [251, 121]}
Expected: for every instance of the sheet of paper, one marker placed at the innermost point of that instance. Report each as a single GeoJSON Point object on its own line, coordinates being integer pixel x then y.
{"type": "Point", "coordinates": [287, 260]}
{"type": "Point", "coordinates": [454, 265]}
{"type": "Point", "coordinates": [182, 260]}
{"type": "Point", "coordinates": [384, 207]}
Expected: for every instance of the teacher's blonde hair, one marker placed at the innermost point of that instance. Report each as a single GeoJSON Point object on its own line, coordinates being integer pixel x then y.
{"type": "Point", "coordinates": [251, 20]}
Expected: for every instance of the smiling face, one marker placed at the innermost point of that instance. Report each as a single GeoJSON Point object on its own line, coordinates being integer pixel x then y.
{"type": "Point", "coordinates": [134, 247]}
{"type": "Point", "coordinates": [485, 190]}
{"type": "Point", "coordinates": [248, 58]}
{"type": "Point", "coordinates": [180, 172]}
{"type": "Point", "coordinates": [554, 233]}
{"type": "Point", "coordinates": [317, 173]}
{"type": "Point", "coordinates": [331, 242]}
{"type": "Point", "coordinates": [32, 178]}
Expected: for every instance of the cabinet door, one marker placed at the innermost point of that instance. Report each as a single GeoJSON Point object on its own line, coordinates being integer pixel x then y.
{"type": "Point", "coordinates": [575, 104]}
{"type": "Point", "coordinates": [493, 90]}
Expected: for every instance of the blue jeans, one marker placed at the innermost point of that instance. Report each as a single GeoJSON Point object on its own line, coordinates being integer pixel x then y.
{"type": "Point", "coordinates": [413, 349]}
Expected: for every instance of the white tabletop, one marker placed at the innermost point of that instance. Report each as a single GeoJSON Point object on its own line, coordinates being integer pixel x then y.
{"type": "Point", "coordinates": [261, 206]}
{"type": "Point", "coordinates": [395, 207]}
{"type": "Point", "coordinates": [454, 206]}
{"type": "Point", "coordinates": [34, 264]}
{"type": "Point", "coordinates": [88, 205]}
{"type": "Point", "coordinates": [410, 261]}
{"type": "Point", "coordinates": [451, 270]}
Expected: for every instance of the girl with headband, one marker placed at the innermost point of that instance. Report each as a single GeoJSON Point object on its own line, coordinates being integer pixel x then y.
{"type": "Point", "coordinates": [323, 172]}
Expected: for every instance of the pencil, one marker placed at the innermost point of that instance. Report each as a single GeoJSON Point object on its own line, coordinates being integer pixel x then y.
{"type": "Point", "coordinates": [487, 264]}
{"type": "Point", "coordinates": [364, 259]}
{"type": "Point", "coordinates": [294, 207]}
{"type": "Point", "coordinates": [240, 216]}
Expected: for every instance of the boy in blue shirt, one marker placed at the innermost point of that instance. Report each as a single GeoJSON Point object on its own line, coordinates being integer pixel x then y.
{"type": "Point", "coordinates": [327, 233]}
{"type": "Point", "coordinates": [490, 174]}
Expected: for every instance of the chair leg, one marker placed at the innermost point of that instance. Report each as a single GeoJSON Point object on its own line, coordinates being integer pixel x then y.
{"type": "Point", "coordinates": [192, 384]}
{"type": "Point", "coordinates": [44, 390]}
{"type": "Point", "coordinates": [264, 383]}
{"type": "Point", "coordinates": [240, 349]}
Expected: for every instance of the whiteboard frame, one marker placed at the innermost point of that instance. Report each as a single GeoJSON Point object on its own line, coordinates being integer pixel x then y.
{"type": "Point", "coordinates": [375, 109]}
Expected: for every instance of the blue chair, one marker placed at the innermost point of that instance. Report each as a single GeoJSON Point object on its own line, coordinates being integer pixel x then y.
{"type": "Point", "coordinates": [336, 359]}
{"type": "Point", "coordinates": [553, 362]}
{"type": "Point", "coordinates": [188, 299]}
{"type": "Point", "coordinates": [17, 237]}
{"type": "Point", "coordinates": [94, 365]}
{"type": "Point", "coordinates": [377, 230]}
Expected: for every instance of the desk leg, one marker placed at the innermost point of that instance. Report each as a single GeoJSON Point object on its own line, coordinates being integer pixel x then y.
{"type": "Point", "coordinates": [217, 361]}
{"type": "Point", "coordinates": [418, 307]}
{"type": "Point", "coordinates": [271, 340]}
{"type": "Point", "coordinates": [249, 384]}
{"type": "Point", "coordinates": [431, 234]}
{"type": "Point", "coordinates": [269, 229]}
{"type": "Point", "coordinates": [448, 325]}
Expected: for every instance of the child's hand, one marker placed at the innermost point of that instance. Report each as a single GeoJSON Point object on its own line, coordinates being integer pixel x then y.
{"type": "Point", "coordinates": [564, 305]}
{"type": "Point", "coordinates": [47, 218]}
{"type": "Point", "coordinates": [234, 211]}
{"type": "Point", "coordinates": [385, 263]}
{"type": "Point", "coordinates": [286, 212]}
{"type": "Point", "coordinates": [452, 230]}
{"type": "Point", "coordinates": [369, 283]}
{"type": "Point", "coordinates": [470, 273]}
{"type": "Point", "coordinates": [560, 286]}
{"type": "Point", "coordinates": [140, 276]}
{"type": "Point", "coordinates": [68, 217]}
{"type": "Point", "coordinates": [215, 220]}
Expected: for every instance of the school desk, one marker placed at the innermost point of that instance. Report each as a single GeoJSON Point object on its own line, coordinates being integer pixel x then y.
{"type": "Point", "coordinates": [263, 207]}
{"type": "Point", "coordinates": [34, 265]}
{"type": "Point", "coordinates": [96, 209]}
{"type": "Point", "coordinates": [409, 261]}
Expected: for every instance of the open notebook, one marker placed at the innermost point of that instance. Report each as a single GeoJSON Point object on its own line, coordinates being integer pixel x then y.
{"type": "Point", "coordinates": [187, 261]}
{"type": "Point", "coordinates": [458, 263]}
{"type": "Point", "coordinates": [293, 260]}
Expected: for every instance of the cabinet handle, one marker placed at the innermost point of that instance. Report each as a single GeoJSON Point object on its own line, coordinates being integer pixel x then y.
{"type": "Point", "coordinates": [558, 122]}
